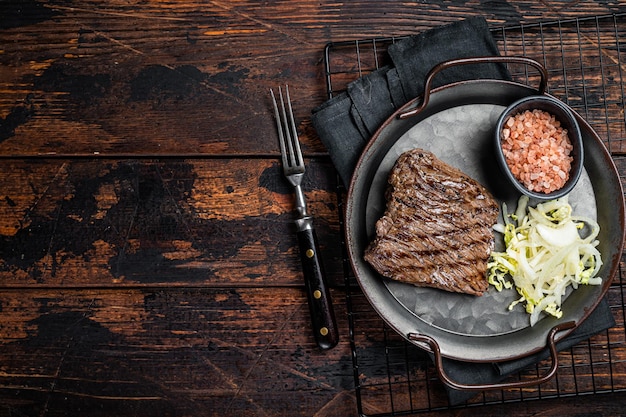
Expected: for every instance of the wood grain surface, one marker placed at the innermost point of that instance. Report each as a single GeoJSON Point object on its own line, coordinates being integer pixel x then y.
{"type": "Point", "coordinates": [148, 261]}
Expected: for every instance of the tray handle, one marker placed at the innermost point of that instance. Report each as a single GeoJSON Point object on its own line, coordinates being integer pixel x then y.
{"type": "Point", "coordinates": [434, 347]}
{"type": "Point", "coordinates": [474, 60]}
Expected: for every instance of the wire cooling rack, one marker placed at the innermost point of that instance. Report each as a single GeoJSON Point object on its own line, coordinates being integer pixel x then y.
{"type": "Point", "coordinates": [585, 63]}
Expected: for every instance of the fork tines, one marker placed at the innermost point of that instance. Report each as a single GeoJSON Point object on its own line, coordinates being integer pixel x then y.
{"type": "Point", "coordinates": [287, 134]}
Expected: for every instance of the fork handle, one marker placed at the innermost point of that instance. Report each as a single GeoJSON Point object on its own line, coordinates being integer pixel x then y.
{"type": "Point", "coordinates": [318, 294]}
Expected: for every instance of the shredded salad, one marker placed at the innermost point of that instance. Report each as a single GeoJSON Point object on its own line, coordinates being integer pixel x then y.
{"type": "Point", "coordinates": [544, 254]}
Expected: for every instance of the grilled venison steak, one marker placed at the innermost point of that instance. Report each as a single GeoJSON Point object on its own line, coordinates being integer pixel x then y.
{"type": "Point", "coordinates": [436, 229]}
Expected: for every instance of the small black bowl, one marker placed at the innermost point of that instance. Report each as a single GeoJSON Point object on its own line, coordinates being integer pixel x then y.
{"type": "Point", "coordinates": [568, 121]}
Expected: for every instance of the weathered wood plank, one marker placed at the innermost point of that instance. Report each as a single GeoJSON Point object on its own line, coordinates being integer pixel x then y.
{"type": "Point", "coordinates": [604, 405]}
{"type": "Point", "coordinates": [199, 222]}
{"type": "Point", "coordinates": [170, 352]}
{"type": "Point", "coordinates": [166, 352]}
{"type": "Point", "coordinates": [114, 78]}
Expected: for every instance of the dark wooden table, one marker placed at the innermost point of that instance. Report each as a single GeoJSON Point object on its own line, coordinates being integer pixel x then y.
{"type": "Point", "coordinates": [148, 264]}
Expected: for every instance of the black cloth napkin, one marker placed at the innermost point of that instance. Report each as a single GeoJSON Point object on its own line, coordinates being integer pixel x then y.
{"type": "Point", "coordinates": [346, 122]}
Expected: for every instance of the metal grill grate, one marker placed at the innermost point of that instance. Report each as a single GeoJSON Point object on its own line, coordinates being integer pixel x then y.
{"type": "Point", "coordinates": [585, 61]}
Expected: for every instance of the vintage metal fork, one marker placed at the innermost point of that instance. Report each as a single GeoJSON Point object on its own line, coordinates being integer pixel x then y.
{"type": "Point", "coordinates": [320, 306]}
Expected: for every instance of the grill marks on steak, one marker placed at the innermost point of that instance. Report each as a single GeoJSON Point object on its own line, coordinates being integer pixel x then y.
{"type": "Point", "coordinates": [436, 229]}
